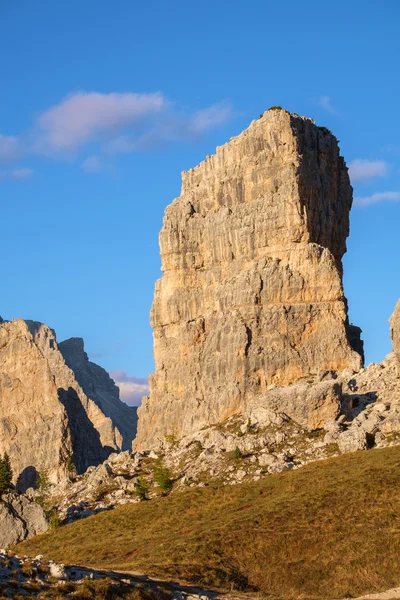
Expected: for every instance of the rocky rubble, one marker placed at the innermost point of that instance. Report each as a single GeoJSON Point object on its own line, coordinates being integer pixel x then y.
{"type": "Point", "coordinates": [20, 519]}
{"type": "Point", "coordinates": [251, 293]}
{"type": "Point", "coordinates": [22, 576]}
{"type": "Point", "coordinates": [359, 411]}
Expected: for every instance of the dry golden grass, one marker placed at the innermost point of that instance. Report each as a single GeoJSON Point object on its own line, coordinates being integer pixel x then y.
{"type": "Point", "coordinates": [328, 530]}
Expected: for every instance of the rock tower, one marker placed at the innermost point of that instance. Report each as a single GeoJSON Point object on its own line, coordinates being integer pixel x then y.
{"type": "Point", "coordinates": [251, 293]}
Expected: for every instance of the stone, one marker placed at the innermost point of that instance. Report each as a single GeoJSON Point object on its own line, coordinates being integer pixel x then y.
{"type": "Point", "coordinates": [352, 440]}
{"type": "Point", "coordinates": [99, 387]}
{"type": "Point", "coordinates": [310, 405]}
{"type": "Point", "coordinates": [251, 293]}
{"type": "Point", "coordinates": [57, 570]}
{"type": "Point", "coordinates": [20, 519]}
{"type": "Point", "coordinates": [395, 334]}
{"type": "Point", "coordinates": [46, 418]}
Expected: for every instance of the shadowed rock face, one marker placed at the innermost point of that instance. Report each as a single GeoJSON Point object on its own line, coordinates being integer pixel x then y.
{"type": "Point", "coordinates": [45, 416]}
{"type": "Point", "coordinates": [251, 293]}
{"type": "Point", "coordinates": [395, 333]}
{"type": "Point", "coordinates": [98, 385]}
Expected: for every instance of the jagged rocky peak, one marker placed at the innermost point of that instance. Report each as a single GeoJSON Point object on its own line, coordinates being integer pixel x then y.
{"type": "Point", "coordinates": [98, 385]}
{"type": "Point", "coordinates": [46, 417]}
{"type": "Point", "coordinates": [251, 293]}
{"type": "Point", "coordinates": [395, 333]}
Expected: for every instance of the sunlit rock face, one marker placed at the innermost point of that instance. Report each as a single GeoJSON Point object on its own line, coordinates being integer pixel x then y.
{"type": "Point", "coordinates": [46, 418]}
{"type": "Point", "coordinates": [99, 387]}
{"type": "Point", "coordinates": [395, 334]}
{"type": "Point", "coordinates": [251, 293]}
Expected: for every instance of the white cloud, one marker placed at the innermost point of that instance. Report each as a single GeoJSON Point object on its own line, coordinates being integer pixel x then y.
{"type": "Point", "coordinates": [9, 147]}
{"type": "Point", "coordinates": [113, 123]}
{"type": "Point", "coordinates": [132, 389]}
{"type": "Point", "coordinates": [210, 117]}
{"type": "Point", "coordinates": [325, 102]}
{"type": "Point", "coordinates": [171, 126]}
{"type": "Point", "coordinates": [87, 116]}
{"type": "Point", "coordinates": [16, 174]}
{"type": "Point", "coordinates": [361, 169]}
{"type": "Point", "coordinates": [378, 197]}
{"type": "Point", "coordinates": [91, 164]}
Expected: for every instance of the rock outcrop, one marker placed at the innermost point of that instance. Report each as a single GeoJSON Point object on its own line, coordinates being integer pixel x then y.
{"type": "Point", "coordinates": [251, 294]}
{"type": "Point", "coordinates": [395, 333]}
{"type": "Point", "coordinates": [20, 519]}
{"type": "Point", "coordinates": [46, 419]}
{"type": "Point", "coordinates": [99, 387]}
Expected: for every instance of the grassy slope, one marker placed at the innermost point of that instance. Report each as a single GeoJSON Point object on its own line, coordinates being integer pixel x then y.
{"type": "Point", "coordinates": [327, 530]}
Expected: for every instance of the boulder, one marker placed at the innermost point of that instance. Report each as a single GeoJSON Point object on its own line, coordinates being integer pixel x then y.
{"type": "Point", "coordinates": [20, 518]}
{"type": "Point", "coordinates": [352, 440]}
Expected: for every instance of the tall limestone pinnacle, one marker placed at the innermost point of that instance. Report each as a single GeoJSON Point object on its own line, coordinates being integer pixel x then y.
{"type": "Point", "coordinates": [251, 292]}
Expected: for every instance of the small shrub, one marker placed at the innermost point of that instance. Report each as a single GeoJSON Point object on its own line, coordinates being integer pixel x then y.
{"type": "Point", "coordinates": [238, 453]}
{"type": "Point", "coordinates": [162, 476]}
{"type": "Point", "coordinates": [275, 108]}
{"type": "Point", "coordinates": [141, 489]}
{"type": "Point", "coordinates": [171, 439]}
{"type": "Point", "coordinates": [71, 468]}
{"type": "Point", "coordinates": [54, 520]}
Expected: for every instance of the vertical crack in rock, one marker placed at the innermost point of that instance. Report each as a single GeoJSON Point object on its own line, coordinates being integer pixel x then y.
{"type": "Point", "coordinates": [253, 244]}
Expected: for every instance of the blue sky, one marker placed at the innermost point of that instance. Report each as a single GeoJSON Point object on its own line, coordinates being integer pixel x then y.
{"type": "Point", "coordinates": [103, 104]}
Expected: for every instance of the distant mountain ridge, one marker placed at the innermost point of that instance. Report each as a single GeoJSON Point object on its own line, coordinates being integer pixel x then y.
{"type": "Point", "coordinates": [57, 409]}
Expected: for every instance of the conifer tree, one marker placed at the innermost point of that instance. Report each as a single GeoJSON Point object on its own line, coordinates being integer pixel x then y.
{"type": "Point", "coordinates": [5, 474]}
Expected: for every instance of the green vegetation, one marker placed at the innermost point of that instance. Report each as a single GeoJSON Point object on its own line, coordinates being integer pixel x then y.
{"type": "Point", "coordinates": [142, 489]}
{"type": "Point", "coordinates": [43, 486]}
{"type": "Point", "coordinates": [54, 519]}
{"type": "Point", "coordinates": [276, 108]}
{"type": "Point", "coordinates": [170, 438]}
{"type": "Point", "coordinates": [71, 468]}
{"type": "Point", "coordinates": [6, 474]}
{"type": "Point", "coordinates": [327, 530]}
{"type": "Point", "coordinates": [238, 452]}
{"type": "Point", "coordinates": [162, 476]}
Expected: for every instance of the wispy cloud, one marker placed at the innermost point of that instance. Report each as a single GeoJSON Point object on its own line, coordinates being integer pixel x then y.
{"type": "Point", "coordinates": [325, 102]}
{"type": "Point", "coordinates": [10, 148]}
{"type": "Point", "coordinates": [16, 174]}
{"type": "Point", "coordinates": [170, 126]}
{"type": "Point", "coordinates": [132, 389]}
{"type": "Point", "coordinates": [91, 164]}
{"type": "Point", "coordinates": [360, 169]}
{"type": "Point", "coordinates": [376, 198]}
{"type": "Point", "coordinates": [84, 117]}
{"type": "Point", "coordinates": [102, 124]}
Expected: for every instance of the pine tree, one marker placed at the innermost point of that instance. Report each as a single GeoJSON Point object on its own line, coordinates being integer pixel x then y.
{"type": "Point", "coordinates": [5, 474]}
